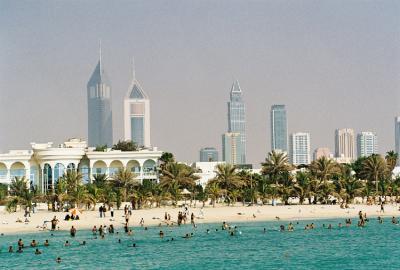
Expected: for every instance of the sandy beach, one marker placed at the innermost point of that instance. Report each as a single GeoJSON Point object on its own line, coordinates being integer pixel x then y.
{"type": "Point", "coordinates": [155, 216]}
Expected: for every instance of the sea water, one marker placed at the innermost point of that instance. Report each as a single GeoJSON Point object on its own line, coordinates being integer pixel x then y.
{"type": "Point", "coordinates": [372, 247]}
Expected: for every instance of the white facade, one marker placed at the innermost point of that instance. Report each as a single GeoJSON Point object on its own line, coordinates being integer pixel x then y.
{"type": "Point", "coordinates": [300, 148]}
{"type": "Point", "coordinates": [206, 171]}
{"type": "Point", "coordinates": [367, 144]}
{"type": "Point", "coordinates": [345, 143]}
{"type": "Point", "coordinates": [44, 164]}
{"type": "Point", "coordinates": [137, 114]}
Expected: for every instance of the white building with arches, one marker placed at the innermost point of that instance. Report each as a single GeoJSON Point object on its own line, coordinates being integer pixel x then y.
{"type": "Point", "coordinates": [44, 164]}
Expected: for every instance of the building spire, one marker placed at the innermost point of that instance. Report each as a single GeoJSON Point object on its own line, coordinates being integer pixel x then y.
{"type": "Point", "coordinates": [100, 55]}
{"type": "Point", "coordinates": [133, 69]}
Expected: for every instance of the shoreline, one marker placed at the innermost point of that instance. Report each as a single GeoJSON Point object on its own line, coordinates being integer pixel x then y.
{"type": "Point", "coordinates": [155, 216]}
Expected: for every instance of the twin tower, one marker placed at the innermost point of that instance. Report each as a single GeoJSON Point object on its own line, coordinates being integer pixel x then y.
{"type": "Point", "coordinates": [136, 111]}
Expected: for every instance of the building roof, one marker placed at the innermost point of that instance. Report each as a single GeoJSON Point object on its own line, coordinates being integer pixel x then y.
{"type": "Point", "coordinates": [135, 91]}
{"type": "Point", "coordinates": [236, 87]}
{"type": "Point", "coordinates": [99, 76]}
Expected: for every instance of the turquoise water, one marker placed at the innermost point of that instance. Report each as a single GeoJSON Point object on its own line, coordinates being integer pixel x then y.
{"type": "Point", "coordinates": [372, 247]}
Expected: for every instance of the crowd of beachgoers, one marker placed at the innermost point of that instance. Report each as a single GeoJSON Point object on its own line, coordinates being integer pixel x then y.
{"type": "Point", "coordinates": [125, 232]}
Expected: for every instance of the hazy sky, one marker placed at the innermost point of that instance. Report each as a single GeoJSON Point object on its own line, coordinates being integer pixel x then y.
{"type": "Point", "coordinates": [333, 63]}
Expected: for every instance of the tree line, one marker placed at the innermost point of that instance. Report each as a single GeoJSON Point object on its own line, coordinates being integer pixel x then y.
{"type": "Point", "coordinates": [324, 181]}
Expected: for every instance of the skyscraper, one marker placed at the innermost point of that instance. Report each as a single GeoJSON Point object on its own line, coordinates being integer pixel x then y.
{"type": "Point", "coordinates": [322, 152]}
{"type": "Point", "coordinates": [344, 143]}
{"type": "Point", "coordinates": [237, 120]}
{"type": "Point", "coordinates": [208, 154]}
{"type": "Point", "coordinates": [367, 144]}
{"type": "Point", "coordinates": [278, 128]}
{"type": "Point", "coordinates": [299, 147]}
{"type": "Point", "coordinates": [397, 134]}
{"type": "Point", "coordinates": [100, 128]}
{"type": "Point", "coordinates": [137, 114]}
{"type": "Point", "coordinates": [230, 147]}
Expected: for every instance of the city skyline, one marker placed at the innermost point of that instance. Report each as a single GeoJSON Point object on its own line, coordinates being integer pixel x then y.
{"type": "Point", "coordinates": [344, 67]}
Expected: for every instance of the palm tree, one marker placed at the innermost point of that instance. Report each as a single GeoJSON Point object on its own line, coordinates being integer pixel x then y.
{"type": "Point", "coordinates": [324, 169]}
{"type": "Point", "coordinates": [213, 190]}
{"type": "Point", "coordinates": [175, 177]}
{"type": "Point", "coordinates": [81, 195]}
{"type": "Point", "coordinates": [302, 186]}
{"type": "Point", "coordinates": [374, 169]}
{"type": "Point", "coordinates": [165, 159]}
{"type": "Point", "coordinates": [391, 161]}
{"type": "Point", "coordinates": [123, 180]}
{"type": "Point", "coordinates": [100, 180]}
{"type": "Point", "coordinates": [73, 179]}
{"type": "Point", "coordinates": [275, 165]}
{"type": "Point", "coordinates": [227, 179]}
{"type": "Point", "coordinates": [96, 194]}
{"type": "Point", "coordinates": [20, 194]}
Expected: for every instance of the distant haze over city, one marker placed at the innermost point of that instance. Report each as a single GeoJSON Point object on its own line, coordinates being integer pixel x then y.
{"type": "Point", "coordinates": [332, 68]}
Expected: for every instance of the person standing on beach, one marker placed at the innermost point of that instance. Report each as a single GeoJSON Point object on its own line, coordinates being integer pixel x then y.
{"type": "Point", "coordinates": [112, 212]}
{"type": "Point", "coordinates": [192, 219]}
{"type": "Point", "coordinates": [104, 210]}
{"type": "Point", "coordinates": [101, 211]}
{"type": "Point", "coordinates": [54, 222]}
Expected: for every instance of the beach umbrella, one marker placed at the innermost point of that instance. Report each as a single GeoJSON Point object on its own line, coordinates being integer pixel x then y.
{"type": "Point", "coordinates": [75, 211]}
{"type": "Point", "coordinates": [185, 192]}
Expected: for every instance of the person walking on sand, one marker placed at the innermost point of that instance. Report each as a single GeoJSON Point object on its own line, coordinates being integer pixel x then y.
{"type": "Point", "coordinates": [112, 212]}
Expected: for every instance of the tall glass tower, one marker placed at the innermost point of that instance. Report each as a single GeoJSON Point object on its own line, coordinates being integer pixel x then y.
{"type": "Point", "coordinates": [279, 128]}
{"type": "Point", "coordinates": [137, 114]}
{"type": "Point", "coordinates": [237, 120]}
{"type": "Point", "coordinates": [100, 130]}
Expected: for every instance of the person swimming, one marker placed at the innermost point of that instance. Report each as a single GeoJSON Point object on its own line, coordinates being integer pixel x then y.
{"type": "Point", "coordinates": [58, 260]}
{"type": "Point", "coordinates": [33, 243]}
{"type": "Point", "coordinates": [10, 249]}
{"type": "Point", "coordinates": [46, 243]}
{"type": "Point", "coordinates": [20, 243]}
{"type": "Point", "coordinates": [83, 243]}
{"type": "Point", "coordinates": [67, 244]}
{"type": "Point", "coordinates": [20, 250]}
{"type": "Point", "coordinates": [73, 231]}
{"type": "Point", "coordinates": [37, 252]}
{"type": "Point", "coordinates": [161, 234]}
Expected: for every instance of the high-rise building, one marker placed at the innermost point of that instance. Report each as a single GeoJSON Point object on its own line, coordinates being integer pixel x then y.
{"type": "Point", "coordinates": [208, 154]}
{"type": "Point", "coordinates": [230, 146]}
{"type": "Point", "coordinates": [322, 152]}
{"type": "Point", "coordinates": [100, 128]}
{"type": "Point", "coordinates": [278, 128]}
{"type": "Point", "coordinates": [397, 134]}
{"type": "Point", "coordinates": [237, 120]}
{"type": "Point", "coordinates": [299, 148]}
{"type": "Point", "coordinates": [367, 144]}
{"type": "Point", "coordinates": [137, 114]}
{"type": "Point", "coordinates": [344, 144]}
